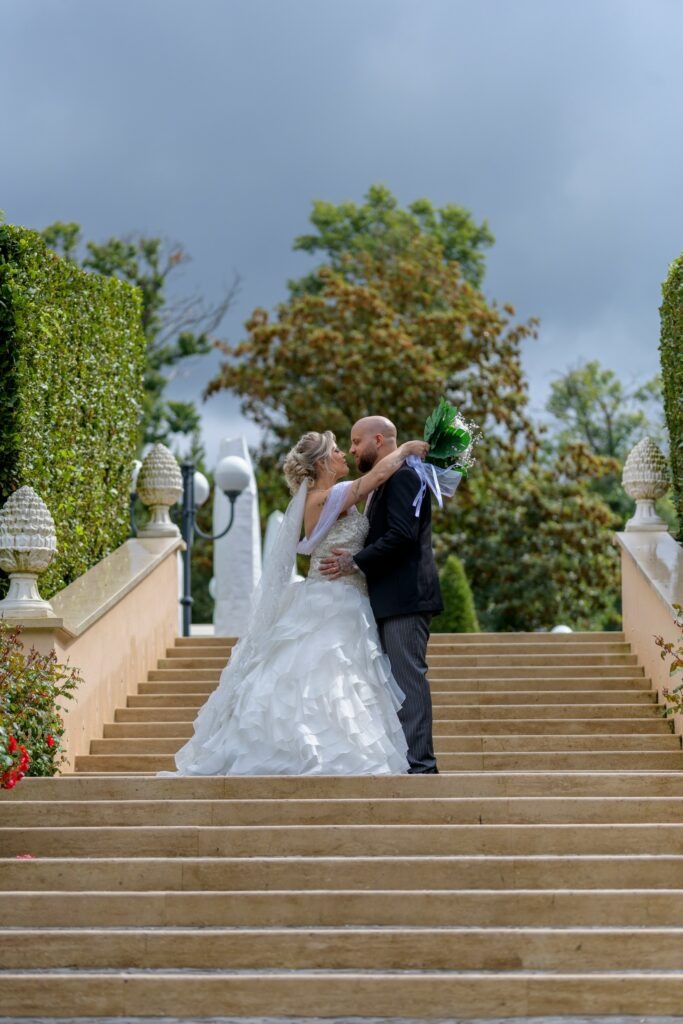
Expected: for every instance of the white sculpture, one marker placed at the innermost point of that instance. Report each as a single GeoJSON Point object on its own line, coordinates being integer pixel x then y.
{"type": "Point", "coordinates": [28, 544]}
{"type": "Point", "coordinates": [646, 478]}
{"type": "Point", "coordinates": [237, 556]}
{"type": "Point", "coordinates": [159, 485]}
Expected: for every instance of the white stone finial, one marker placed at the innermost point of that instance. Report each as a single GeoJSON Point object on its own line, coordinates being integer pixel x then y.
{"type": "Point", "coordinates": [28, 544]}
{"type": "Point", "coordinates": [646, 478]}
{"type": "Point", "coordinates": [160, 485]}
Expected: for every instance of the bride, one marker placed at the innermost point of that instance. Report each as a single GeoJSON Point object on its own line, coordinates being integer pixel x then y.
{"type": "Point", "coordinates": [308, 690]}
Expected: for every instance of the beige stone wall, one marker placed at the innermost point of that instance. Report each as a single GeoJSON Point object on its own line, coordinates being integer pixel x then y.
{"type": "Point", "coordinates": [652, 581]}
{"type": "Point", "coordinates": [113, 624]}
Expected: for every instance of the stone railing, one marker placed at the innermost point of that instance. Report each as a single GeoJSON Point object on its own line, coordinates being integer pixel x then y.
{"type": "Point", "coordinates": [651, 566]}
{"type": "Point", "coordinates": [114, 622]}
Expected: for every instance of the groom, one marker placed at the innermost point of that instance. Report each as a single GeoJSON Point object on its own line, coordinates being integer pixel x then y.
{"type": "Point", "coordinates": [403, 584]}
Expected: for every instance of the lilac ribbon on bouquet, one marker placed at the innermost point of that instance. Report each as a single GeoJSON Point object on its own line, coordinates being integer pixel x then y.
{"type": "Point", "coordinates": [443, 483]}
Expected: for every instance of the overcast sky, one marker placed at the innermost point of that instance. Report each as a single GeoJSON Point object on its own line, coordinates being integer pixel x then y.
{"type": "Point", "coordinates": [216, 123]}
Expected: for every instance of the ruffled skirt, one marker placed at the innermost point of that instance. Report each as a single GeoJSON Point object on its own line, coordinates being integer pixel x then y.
{"type": "Point", "coordinates": [313, 696]}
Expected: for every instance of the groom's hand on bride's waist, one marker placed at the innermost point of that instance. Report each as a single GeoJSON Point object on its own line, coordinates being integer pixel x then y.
{"type": "Point", "coordinates": [339, 563]}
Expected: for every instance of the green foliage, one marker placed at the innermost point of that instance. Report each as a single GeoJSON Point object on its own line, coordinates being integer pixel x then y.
{"type": "Point", "coordinates": [448, 439]}
{"type": "Point", "coordinates": [671, 354]}
{"type": "Point", "coordinates": [71, 361]}
{"type": "Point", "coordinates": [458, 615]}
{"type": "Point", "coordinates": [33, 688]}
{"type": "Point", "coordinates": [378, 228]}
{"type": "Point", "coordinates": [537, 544]}
{"type": "Point", "coordinates": [380, 337]}
{"type": "Point", "coordinates": [592, 406]}
{"type": "Point", "coordinates": [392, 334]}
{"type": "Point", "coordinates": [175, 331]}
{"type": "Point", "coordinates": [202, 563]}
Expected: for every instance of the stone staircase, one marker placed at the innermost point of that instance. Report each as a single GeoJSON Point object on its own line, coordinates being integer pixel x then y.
{"type": "Point", "coordinates": [540, 874]}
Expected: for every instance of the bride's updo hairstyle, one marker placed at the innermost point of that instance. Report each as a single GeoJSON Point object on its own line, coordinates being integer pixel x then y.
{"type": "Point", "coordinates": [300, 463]}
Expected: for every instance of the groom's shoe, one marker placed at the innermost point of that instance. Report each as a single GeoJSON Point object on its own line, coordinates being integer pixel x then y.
{"type": "Point", "coordinates": [423, 771]}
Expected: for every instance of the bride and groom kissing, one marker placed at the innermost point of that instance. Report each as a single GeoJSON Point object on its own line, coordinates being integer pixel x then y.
{"type": "Point", "coordinates": [330, 677]}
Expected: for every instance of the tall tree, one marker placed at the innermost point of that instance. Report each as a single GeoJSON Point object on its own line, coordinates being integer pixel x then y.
{"type": "Point", "coordinates": [379, 228]}
{"type": "Point", "coordinates": [592, 406]}
{"type": "Point", "coordinates": [391, 333]}
{"type": "Point", "coordinates": [175, 329]}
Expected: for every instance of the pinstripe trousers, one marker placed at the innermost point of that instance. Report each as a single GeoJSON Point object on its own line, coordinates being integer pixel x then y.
{"type": "Point", "coordinates": [404, 639]}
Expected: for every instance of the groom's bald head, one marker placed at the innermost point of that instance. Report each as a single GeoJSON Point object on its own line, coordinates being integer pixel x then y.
{"type": "Point", "coordinates": [372, 437]}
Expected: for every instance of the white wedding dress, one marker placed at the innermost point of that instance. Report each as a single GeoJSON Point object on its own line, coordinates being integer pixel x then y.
{"type": "Point", "coordinates": [308, 690]}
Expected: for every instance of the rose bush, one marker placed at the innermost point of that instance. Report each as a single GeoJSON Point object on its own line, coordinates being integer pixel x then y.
{"type": "Point", "coordinates": [32, 689]}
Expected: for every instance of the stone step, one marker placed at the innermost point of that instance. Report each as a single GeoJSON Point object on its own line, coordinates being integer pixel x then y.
{"type": "Point", "coordinates": [438, 638]}
{"type": "Point", "coordinates": [537, 810]}
{"type": "Point", "coordinates": [648, 716]}
{"type": "Point", "coordinates": [455, 685]}
{"type": "Point", "coordinates": [541, 671]}
{"type": "Point", "coordinates": [448, 762]}
{"type": "Point", "coordinates": [438, 908]}
{"type": "Point", "coordinates": [494, 660]}
{"type": "Point", "coordinates": [628, 728]}
{"type": "Point", "coordinates": [318, 841]}
{"type": "Point", "coordinates": [465, 994]}
{"type": "Point", "coordinates": [544, 871]}
{"type": "Point", "coordinates": [386, 948]}
{"type": "Point", "coordinates": [636, 699]}
{"type": "Point", "coordinates": [437, 647]}
{"type": "Point", "coordinates": [457, 662]}
{"type": "Point", "coordinates": [311, 787]}
{"type": "Point", "coordinates": [443, 744]}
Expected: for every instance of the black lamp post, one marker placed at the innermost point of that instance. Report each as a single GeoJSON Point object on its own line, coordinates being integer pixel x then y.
{"type": "Point", "coordinates": [232, 476]}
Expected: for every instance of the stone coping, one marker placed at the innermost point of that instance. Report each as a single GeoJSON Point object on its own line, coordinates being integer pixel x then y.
{"type": "Point", "coordinates": [660, 560]}
{"type": "Point", "coordinates": [78, 606]}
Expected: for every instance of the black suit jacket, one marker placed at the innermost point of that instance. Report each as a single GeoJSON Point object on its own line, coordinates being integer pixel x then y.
{"type": "Point", "coordinates": [397, 559]}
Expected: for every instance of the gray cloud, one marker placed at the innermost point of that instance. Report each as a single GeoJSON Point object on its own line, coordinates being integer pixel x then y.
{"type": "Point", "coordinates": [217, 122]}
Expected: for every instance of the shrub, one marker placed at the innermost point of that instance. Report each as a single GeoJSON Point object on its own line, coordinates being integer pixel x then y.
{"type": "Point", "coordinates": [458, 615]}
{"type": "Point", "coordinates": [32, 687]}
{"type": "Point", "coordinates": [671, 354]}
{"type": "Point", "coordinates": [71, 364]}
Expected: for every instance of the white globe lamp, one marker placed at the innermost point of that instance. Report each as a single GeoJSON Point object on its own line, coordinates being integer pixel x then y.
{"type": "Point", "coordinates": [232, 475]}
{"type": "Point", "coordinates": [201, 489]}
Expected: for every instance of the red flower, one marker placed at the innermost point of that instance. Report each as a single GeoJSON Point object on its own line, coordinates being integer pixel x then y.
{"type": "Point", "coordinates": [12, 745]}
{"type": "Point", "coordinates": [25, 856]}
{"type": "Point", "coordinates": [49, 740]}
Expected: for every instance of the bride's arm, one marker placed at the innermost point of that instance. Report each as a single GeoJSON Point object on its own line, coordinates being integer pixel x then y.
{"type": "Point", "coordinates": [381, 472]}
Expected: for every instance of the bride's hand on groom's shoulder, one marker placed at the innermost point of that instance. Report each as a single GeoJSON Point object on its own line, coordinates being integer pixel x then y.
{"type": "Point", "coordinates": [419, 448]}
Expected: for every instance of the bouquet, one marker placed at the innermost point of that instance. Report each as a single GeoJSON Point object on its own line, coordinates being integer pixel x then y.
{"type": "Point", "coordinates": [451, 440]}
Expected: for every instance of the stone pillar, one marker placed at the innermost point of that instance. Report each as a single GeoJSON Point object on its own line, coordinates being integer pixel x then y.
{"type": "Point", "coordinates": [237, 556]}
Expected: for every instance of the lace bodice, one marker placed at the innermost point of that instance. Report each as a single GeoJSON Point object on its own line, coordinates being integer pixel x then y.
{"type": "Point", "coordinates": [348, 533]}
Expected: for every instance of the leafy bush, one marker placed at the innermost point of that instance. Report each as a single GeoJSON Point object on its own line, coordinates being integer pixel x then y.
{"type": "Point", "coordinates": [71, 364]}
{"type": "Point", "coordinates": [671, 354]}
{"type": "Point", "coordinates": [458, 615]}
{"type": "Point", "coordinates": [32, 687]}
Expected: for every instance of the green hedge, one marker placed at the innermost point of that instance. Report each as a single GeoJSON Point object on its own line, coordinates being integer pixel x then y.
{"type": "Point", "coordinates": [671, 354]}
{"type": "Point", "coordinates": [458, 615]}
{"type": "Point", "coordinates": [71, 364]}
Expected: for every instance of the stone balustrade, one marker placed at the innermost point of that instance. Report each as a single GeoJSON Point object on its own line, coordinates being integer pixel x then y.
{"type": "Point", "coordinates": [651, 565]}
